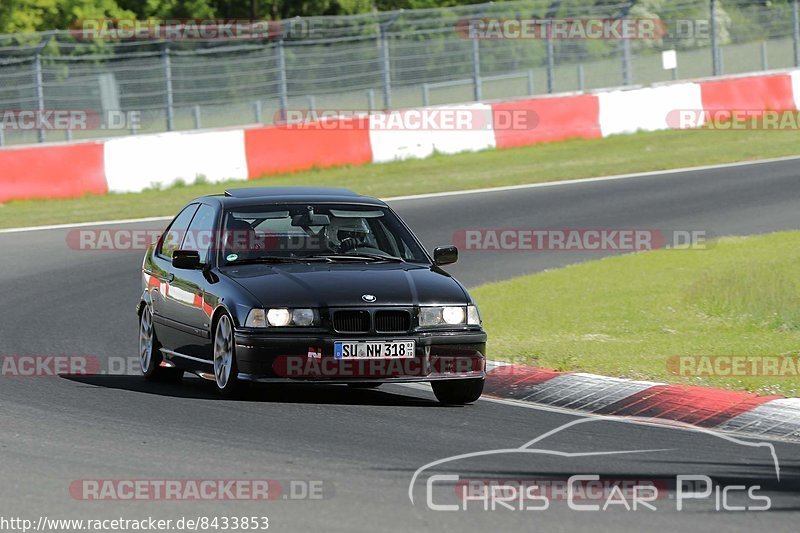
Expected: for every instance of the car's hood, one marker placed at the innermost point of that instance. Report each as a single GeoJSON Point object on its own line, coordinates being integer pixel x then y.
{"type": "Point", "coordinates": [335, 285]}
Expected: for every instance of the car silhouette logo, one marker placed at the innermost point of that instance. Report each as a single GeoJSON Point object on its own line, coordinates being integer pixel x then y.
{"type": "Point", "coordinates": [368, 298]}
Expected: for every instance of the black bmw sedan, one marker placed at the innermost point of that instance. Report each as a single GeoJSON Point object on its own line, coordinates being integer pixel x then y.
{"type": "Point", "coordinates": [309, 285]}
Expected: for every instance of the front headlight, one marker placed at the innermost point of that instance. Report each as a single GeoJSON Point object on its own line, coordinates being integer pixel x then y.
{"type": "Point", "coordinates": [453, 315]}
{"type": "Point", "coordinates": [280, 317]}
{"type": "Point", "coordinates": [449, 316]}
{"type": "Point", "coordinates": [303, 317]}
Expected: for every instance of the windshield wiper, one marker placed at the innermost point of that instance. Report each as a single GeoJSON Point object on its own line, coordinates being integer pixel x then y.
{"type": "Point", "coordinates": [274, 259]}
{"type": "Point", "coordinates": [360, 257]}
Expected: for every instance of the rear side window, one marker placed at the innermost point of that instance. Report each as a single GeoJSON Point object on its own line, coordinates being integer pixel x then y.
{"type": "Point", "coordinates": [199, 237]}
{"type": "Point", "coordinates": [173, 237]}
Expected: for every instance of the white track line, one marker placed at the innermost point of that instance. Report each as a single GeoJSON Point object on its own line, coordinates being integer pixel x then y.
{"type": "Point", "coordinates": [85, 224]}
{"type": "Point", "coordinates": [563, 183]}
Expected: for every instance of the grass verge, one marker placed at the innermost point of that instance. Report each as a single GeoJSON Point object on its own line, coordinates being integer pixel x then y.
{"type": "Point", "coordinates": [573, 159]}
{"type": "Point", "coordinates": [626, 316]}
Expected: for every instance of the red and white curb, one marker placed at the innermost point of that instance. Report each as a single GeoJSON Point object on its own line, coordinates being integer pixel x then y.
{"type": "Point", "coordinates": [736, 412]}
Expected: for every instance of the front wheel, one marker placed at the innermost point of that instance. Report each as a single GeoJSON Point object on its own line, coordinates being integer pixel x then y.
{"type": "Point", "coordinates": [226, 371]}
{"type": "Point", "coordinates": [458, 391]}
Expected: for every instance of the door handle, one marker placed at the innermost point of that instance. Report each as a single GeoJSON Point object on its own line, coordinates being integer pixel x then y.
{"type": "Point", "coordinates": [171, 276]}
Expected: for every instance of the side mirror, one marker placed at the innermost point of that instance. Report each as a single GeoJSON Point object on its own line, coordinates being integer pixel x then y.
{"type": "Point", "coordinates": [186, 259]}
{"type": "Point", "coordinates": [445, 255]}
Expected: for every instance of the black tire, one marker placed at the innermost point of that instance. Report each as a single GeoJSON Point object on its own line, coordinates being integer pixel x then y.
{"type": "Point", "coordinates": [226, 371]}
{"type": "Point", "coordinates": [364, 385]}
{"type": "Point", "coordinates": [458, 391]}
{"type": "Point", "coordinates": [150, 363]}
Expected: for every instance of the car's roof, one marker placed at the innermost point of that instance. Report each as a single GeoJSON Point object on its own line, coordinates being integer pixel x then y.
{"type": "Point", "coordinates": [245, 196]}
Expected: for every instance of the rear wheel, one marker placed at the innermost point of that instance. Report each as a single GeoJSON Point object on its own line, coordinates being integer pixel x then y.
{"type": "Point", "coordinates": [458, 391]}
{"type": "Point", "coordinates": [226, 371]}
{"type": "Point", "coordinates": [150, 352]}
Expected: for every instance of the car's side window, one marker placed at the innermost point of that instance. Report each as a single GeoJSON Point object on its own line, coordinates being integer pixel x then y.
{"type": "Point", "coordinates": [200, 234]}
{"type": "Point", "coordinates": [172, 238]}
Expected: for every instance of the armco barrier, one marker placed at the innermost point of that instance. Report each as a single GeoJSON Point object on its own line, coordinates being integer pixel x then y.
{"type": "Point", "coordinates": [135, 163]}
{"type": "Point", "coordinates": [281, 149]}
{"type": "Point", "coordinates": [52, 171]}
{"type": "Point", "coordinates": [557, 119]}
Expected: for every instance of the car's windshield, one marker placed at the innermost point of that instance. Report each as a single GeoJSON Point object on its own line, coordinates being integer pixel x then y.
{"type": "Point", "coordinates": [336, 232]}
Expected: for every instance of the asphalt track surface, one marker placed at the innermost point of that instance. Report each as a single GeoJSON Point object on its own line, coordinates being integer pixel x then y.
{"type": "Point", "coordinates": [364, 446]}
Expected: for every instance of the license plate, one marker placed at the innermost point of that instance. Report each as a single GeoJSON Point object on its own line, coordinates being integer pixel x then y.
{"type": "Point", "coordinates": [373, 349]}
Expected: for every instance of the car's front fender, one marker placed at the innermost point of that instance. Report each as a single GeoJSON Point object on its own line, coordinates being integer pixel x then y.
{"type": "Point", "coordinates": [143, 301]}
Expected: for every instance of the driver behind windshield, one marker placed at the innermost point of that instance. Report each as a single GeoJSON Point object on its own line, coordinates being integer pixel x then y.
{"type": "Point", "coordinates": [346, 234]}
{"type": "Point", "coordinates": [305, 231]}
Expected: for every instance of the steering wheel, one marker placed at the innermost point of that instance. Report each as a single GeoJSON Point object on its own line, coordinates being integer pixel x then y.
{"type": "Point", "coordinates": [350, 243]}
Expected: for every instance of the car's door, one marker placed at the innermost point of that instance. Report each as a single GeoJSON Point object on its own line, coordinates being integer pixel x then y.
{"type": "Point", "coordinates": [188, 305]}
{"type": "Point", "coordinates": [171, 240]}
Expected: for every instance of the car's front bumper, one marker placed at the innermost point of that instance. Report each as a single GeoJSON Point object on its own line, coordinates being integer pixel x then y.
{"type": "Point", "coordinates": [308, 357]}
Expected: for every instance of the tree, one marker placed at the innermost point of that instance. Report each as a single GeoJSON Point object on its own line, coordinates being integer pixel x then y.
{"type": "Point", "coordinates": [18, 16]}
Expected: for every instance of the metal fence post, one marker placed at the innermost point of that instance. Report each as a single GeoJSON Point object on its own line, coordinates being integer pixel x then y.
{"type": "Point", "coordinates": [764, 59]}
{"type": "Point", "coordinates": [627, 74]}
{"type": "Point", "coordinates": [796, 32]}
{"type": "Point", "coordinates": [196, 113]}
{"type": "Point", "coordinates": [283, 91]}
{"type": "Point", "coordinates": [386, 69]}
{"type": "Point", "coordinates": [169, 102]}
{"type": "Point", "coordinates": [426, 95]}
{"type": "Point", "coordinates": [39, 86]}
{"type": "Point", "coordinates": [258, 111]}
{"type": "Point", "coordinates": [477, 91]}
{"type": "Point", "coordinates": [2, 136]}
{"type": "Point", "coordinates": [715, 60]}
{"type": "Point", "coordinates": [548, 41]}
{"type": "Point", "coordinates": [312, 103]}
{"type": "Point", "coordinates": [371, 99]}
{"type": "Point", "coordinates": [530, 82]}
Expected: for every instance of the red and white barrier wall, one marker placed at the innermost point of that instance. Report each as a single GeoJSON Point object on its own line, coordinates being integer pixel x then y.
{"type": "Point", "coordinates": [60, 171]}
{"type": "Point", "coordinates": [132, 164]}
{"type": "Point", "coordinates": [135, 163]}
